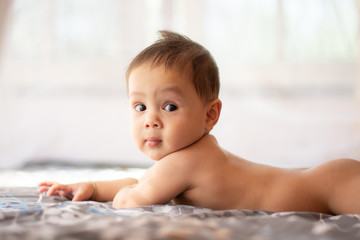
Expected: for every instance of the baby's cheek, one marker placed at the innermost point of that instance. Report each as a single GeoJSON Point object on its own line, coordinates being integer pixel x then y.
{"type": "Point", "coordinates": [184, 140]}
{"type": "Point", "coordinates": [136, 137]}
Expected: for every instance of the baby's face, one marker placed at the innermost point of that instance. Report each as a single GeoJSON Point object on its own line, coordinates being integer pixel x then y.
{"type": "Point", "coordinates": [167, 114]}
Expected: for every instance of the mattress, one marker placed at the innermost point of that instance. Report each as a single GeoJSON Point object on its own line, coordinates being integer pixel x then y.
{"type": "Point", "coordinates": [25, 214]}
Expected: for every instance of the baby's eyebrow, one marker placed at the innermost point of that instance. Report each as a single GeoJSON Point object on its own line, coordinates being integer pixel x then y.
{"type": "Point", "coordinates": [173, 89]}
{"type": "Point", "coordinates": [131, 94]}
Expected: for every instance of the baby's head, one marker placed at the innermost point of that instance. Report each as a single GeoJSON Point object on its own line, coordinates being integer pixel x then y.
{"type": "Point", "coordinates": [179, 53]}
{"type": "Point", "coordinates": [173, 88]}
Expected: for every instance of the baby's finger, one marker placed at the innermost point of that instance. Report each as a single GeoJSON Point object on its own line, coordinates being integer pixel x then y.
{"type": "Point", "coordinates": [54, 189]}
{"type": "Point", "coordinates": [47, 183]}
{"type": "Point", "coordinates": [64, 194]}
{"type": "Point", "coordinates": [43, 189]}
{"type": "Point", "coordinates": [78, 197]}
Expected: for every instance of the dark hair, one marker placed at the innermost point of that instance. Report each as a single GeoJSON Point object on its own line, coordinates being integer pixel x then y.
{"type": "Point", "coordinates": [178, 51]}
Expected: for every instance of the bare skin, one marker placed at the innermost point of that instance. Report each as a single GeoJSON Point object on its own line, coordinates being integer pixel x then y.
{"type": "Point", "coordinates": [171, 125]}
{"type": "Point", "coordinates": [207, 172]}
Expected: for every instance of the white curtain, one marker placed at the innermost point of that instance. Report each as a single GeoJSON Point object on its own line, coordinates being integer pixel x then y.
{"type": "Point", "coordinates": [289, 72]}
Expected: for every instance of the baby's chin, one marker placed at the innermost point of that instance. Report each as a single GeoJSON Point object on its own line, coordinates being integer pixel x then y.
{"type": "Point", "coordinates": [158, 157]}
{"type": "Point", "coordinates": [154, 156]}
{"type": "Point", "coordinates": [157, 154]}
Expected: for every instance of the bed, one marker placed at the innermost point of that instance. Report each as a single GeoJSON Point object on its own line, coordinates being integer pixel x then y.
{"type": "Point", "coordinates": [25, 214]}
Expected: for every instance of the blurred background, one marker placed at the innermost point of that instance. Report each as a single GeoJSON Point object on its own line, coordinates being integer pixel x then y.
{"type": "Point", "coordinates": [289, 72]}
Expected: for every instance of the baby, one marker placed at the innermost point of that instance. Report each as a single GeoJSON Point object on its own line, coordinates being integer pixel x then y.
{"type": "Point", "coordinates": [173, 88]}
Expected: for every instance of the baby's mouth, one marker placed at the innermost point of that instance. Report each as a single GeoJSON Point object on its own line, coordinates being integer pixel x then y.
{"type": "Point", "coordinates": [152, 142]}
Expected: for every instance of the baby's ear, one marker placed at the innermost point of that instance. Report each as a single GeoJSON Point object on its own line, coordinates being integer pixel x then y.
{"type": "Point", "coordinates": [213, 114]}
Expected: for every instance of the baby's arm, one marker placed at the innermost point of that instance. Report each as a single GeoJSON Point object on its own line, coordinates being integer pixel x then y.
{"type": "Point", "coordinates": [165, 180]}
{"type": "Point", "coordinates": [98, 191]}
{"type": "Point", "coordinates": [106, 190]}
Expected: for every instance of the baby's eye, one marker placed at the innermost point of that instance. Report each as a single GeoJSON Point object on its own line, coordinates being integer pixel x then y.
{"type": "Point", "coordinates": [140, 107]}
{"type": "Point", "coordinates": [170, 107]}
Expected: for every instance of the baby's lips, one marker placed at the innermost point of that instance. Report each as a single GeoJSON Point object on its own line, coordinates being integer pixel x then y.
{"type": "Point", "coordinates": [153, 142]}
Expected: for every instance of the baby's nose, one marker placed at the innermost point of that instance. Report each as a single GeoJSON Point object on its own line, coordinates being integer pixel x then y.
{"type": "Point", "coordinates": [154, 125]}
{"type": "Point", "coordinates": [152, 122]}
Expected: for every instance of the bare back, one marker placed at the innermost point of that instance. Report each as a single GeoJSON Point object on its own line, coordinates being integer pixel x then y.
{"type": "Point", "coordinates": [221, 180]}
{"type": "Point", "coordinates": [205, 175]}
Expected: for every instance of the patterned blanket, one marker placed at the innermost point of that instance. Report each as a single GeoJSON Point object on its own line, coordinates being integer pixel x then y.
{"type": "Point", "coordinates": [26, 215]}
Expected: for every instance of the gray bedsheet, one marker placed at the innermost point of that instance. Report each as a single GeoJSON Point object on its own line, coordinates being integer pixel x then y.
{"type": "Point", "coordinates": [22, 216]}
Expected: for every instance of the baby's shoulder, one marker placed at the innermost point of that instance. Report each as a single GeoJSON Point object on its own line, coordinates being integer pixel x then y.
{"type": "Point", "coordinates": [206, 145]}
{"type": "Point", "coordinates": [178, 160]}
{"type": "Point", "coordinates": [192, 155]}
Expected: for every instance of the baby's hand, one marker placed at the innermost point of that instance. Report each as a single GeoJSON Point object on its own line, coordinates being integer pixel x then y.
{"type": "Point", "coordinates": [77, 191]}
